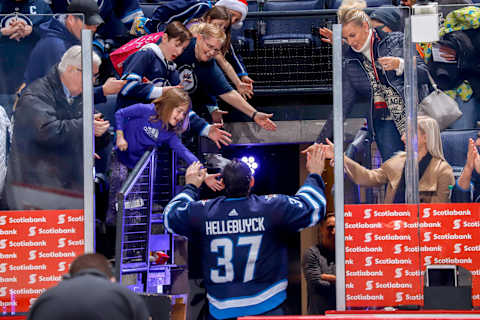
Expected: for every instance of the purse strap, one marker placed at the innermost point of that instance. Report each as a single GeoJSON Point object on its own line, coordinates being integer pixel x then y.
{"type": "Point", "coordinates": [432, 82]}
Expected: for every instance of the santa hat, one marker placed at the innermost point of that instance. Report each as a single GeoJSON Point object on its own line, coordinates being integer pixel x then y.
{"type": "Point", "coordinates": [236, 5]}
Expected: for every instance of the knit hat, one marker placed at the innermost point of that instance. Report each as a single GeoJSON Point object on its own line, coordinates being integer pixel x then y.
{"type": "Point", "coordinates": [390, 17]}
{"type": "Point", "coordinates": [236, 5]}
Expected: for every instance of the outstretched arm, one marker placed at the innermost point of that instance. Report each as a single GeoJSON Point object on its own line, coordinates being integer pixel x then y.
{"type": "Point", "coordinates": [262, 119]}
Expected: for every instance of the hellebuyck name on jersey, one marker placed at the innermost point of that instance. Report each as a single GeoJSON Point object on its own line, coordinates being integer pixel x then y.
{"type": "Point", "coordinates": [234, 226]}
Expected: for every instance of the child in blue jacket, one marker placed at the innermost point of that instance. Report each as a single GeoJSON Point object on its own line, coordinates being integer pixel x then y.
{"type": "Point", "coordinates": [143, 126]}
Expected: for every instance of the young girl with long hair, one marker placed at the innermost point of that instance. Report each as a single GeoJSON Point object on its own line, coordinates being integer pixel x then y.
{"type": "Point", "coordinates": [143, 126]}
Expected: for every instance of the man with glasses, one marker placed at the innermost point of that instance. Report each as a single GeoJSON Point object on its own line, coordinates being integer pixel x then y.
{"type": "Point", "coordinates": [319, 269]}
{"type": "Point", "coordinates": [467, 187]}
{"type": "Point", "coordinates": [46, 156]}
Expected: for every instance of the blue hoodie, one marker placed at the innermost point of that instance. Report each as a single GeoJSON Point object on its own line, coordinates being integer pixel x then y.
{"type": "Point", "coordinates": [56, 39]}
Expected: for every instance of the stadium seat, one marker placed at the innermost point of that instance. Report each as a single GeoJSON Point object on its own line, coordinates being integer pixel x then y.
{"type": "Point", "coordinates": [148, 9]}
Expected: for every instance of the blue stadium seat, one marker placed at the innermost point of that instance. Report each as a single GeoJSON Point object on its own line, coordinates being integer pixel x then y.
{"type": "Point", "coordinates": [148, 9]}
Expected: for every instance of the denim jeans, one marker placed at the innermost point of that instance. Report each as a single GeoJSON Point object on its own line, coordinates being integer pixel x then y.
{"type": "Point", "coordinates": [388, 138]}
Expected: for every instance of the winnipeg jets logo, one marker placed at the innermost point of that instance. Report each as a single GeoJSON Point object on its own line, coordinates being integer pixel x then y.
{"type": "Point", "coordinates": [233, 213]}
{"type": "Point", "coordinates": [188, 78]}
{"type": "Point", "coordinates": [161, 82]}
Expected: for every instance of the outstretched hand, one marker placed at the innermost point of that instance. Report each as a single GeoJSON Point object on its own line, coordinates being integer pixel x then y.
{"type": "Point", "coordinates": [263, 120]}
{"type": "Point", "coordinates": [213, 183]}
{"type": "Point", "coordinates": [219, 136]}
{"type": "Point", "coordinates": [195, 174]}
{"type": "Point", "coordinates": [217, 116]}
{"type": "Point", "coordinates": [327, 35]}
{"type": "Point", "coordinates": [316, 161]}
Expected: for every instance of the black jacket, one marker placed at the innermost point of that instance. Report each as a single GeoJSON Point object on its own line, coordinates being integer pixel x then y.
{"type": "Point", "coordinates": [46, 154]}
{"type": "Point", "coordinates": [88, 295]}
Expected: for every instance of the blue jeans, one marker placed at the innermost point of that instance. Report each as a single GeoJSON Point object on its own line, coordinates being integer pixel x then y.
{"type": "Point", "coordinates": [388, 138]}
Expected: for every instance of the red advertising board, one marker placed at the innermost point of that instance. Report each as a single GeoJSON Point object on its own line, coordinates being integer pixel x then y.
{"type": "Point", "coordinates": [388, 246]}
{"type": "Point", "coordinates": [36, 248]}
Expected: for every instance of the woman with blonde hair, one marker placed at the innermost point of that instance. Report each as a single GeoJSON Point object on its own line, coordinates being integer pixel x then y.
{"type": "Point", "coordinates": [435, 174]}
{"type": "Point", "coordinates": [373, 68]}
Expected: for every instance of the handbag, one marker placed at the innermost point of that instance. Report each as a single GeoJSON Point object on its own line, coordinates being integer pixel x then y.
{"type": "Point", "coordinates": [440, 106]}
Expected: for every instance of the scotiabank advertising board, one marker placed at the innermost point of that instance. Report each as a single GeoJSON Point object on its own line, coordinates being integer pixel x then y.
{"type": "Point", "coordinates": [36, 248]}
{"type": "Point", "coordinates": [388, 246]}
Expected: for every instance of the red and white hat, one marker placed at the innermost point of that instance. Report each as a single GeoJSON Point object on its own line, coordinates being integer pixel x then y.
{"type": "Point", "coordinates": [236, 5]}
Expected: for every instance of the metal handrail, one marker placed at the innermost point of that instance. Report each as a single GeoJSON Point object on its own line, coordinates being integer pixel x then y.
{"type": "Point", "coordinates": [148, 158]}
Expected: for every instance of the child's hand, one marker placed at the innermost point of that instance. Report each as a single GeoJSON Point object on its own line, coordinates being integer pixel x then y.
{"type": "Point", "coordinates": [122, 144]}
{"type": "Point", "coordinates": [217, 116]}
{"type": "Point", "coordinates": [212, 182]}
{"type": "Point", "coordinates": [245, 89]}
{"type": "Point", "coordinates": [218, 135]}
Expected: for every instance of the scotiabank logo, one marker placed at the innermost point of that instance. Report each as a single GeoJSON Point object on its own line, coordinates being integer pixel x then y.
{"type": "Point", "coordinates": [398, 273]}
{"type": "Point", "coordinates": [368, 237]}
{"type": "Point", "coordinates": [397, 248]}
{"type": "Point", "coordinates": [61, 219]}
{"type": "Point", "coordinates": [368, 261]}
{"type": "Point", "coordinates": [426, 212]}
{"type": "Point", "coordinates": [3, 243]}
{"type": "Point", "coordinates": [427, 236]}
{"type": "Point", "coordinates": [369, 285]}
{"type": "Point", "coordinates": [428, 260]}
{"type": "Point", "coordinates": [32, 254]}
{"type": "Point", "coordinates": [3, 220]}
{"type": "Point", "coordinates": [3, 291]}
{"type": "Point", "coordinates": [397, 224]}
{"type": "Point", "coordinates": [457, 223]}
{"type": "Point", "coordinates": [399, 296]}
{"type": "Point", "coordinates": [3, 267]}
{"type": "Point", "coordinates": [62, 266]}
{"type": "Point", "coordinates": [367, 213]}
{"type": "Point", "coordinates": [457, 248]}
{"type": "Point", "coordinates": [61, 242]}
{"type": "Point", "coordinates": [32, 231]}
{"type": "Point", "coordinates": [32, 278]}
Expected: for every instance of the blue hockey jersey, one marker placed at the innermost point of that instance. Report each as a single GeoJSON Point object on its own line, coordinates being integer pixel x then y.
{"type": "Point", "coordinates": [244, 253]}
{"type": "Point", "coordinates": [146, 72]}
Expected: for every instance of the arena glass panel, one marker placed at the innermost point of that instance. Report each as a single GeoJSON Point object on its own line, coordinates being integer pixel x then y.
{"type": "Point", "coordinates": [42, 146]}
{"type": "Point", "coordinates": [402, 215]}
{"type": "Point", "coordinates": [377, 240]}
